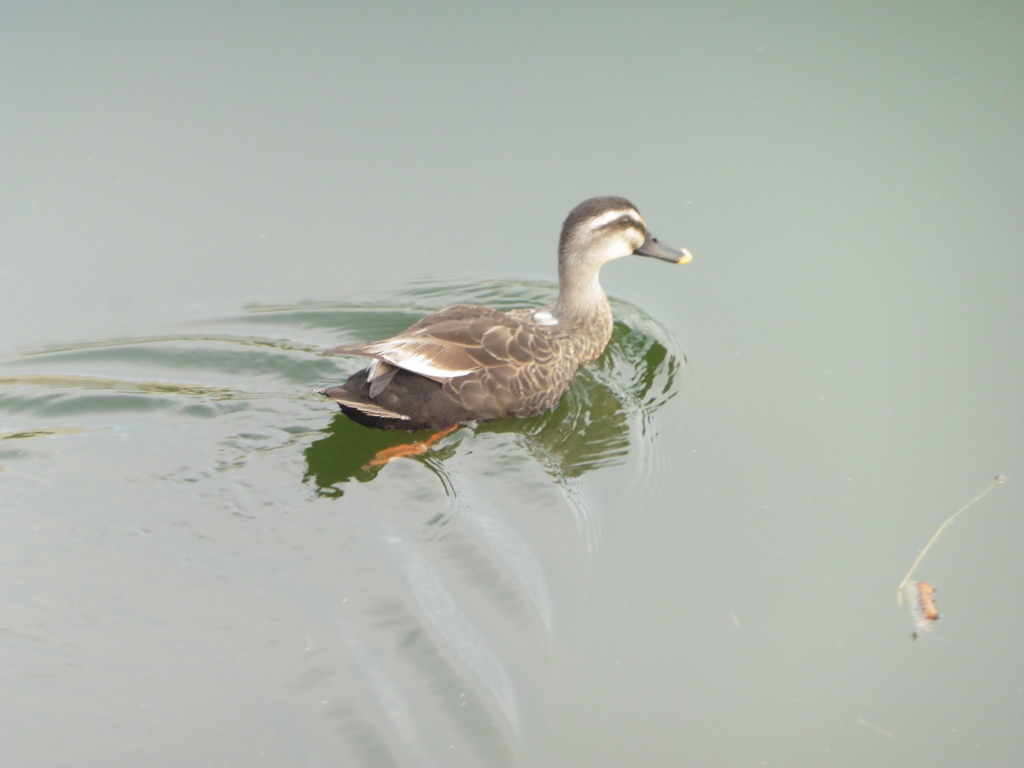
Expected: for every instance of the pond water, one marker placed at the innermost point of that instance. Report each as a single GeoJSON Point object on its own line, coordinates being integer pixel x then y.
{"type": "Point", "coordinates": [692, 560]}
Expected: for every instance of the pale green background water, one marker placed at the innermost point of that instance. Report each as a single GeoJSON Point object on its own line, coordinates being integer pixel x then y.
{"type": "Point", "coordinates": [196, 200]}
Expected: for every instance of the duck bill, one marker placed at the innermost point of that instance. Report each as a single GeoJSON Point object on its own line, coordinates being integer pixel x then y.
{"type": "Point", "coordinates": [658, 250]}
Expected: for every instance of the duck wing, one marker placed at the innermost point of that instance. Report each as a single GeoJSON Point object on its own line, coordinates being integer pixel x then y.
{"type": "Point", "coordinates": [454, 342]}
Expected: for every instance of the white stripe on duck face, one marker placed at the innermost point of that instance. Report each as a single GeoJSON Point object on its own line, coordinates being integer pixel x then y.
{"type": "Point", "coordinates": [609, 216]}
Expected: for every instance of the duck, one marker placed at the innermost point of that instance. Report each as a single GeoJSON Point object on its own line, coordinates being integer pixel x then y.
{"type": "Point", "coordinates": [469, 363]}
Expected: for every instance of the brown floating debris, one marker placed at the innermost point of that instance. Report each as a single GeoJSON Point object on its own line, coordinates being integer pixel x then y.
{"type": "Point", "coordinates": [922, 605]}
{"type": "Point", "coordinates": [924, 598]}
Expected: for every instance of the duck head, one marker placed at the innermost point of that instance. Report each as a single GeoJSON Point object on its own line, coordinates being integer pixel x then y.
{"type": "Point", "coordinates": [604, 228]}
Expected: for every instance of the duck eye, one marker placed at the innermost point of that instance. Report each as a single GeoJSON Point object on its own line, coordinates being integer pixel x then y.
{"type": "Point", "coordinates": [626, 221]}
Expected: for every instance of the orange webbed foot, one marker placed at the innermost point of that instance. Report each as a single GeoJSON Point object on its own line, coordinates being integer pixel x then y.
{"type": "Point", "coordinates": [388, 455]}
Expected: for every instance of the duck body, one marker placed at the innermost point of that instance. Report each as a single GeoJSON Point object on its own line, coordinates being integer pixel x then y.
{"type": "Point", "coordinates": [516, 367]}
{"type": "Point", "coordinates": [472, 363]}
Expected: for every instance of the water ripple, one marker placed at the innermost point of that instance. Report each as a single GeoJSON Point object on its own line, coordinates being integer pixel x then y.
{"type": "Point", "coordinates": [469, 556]}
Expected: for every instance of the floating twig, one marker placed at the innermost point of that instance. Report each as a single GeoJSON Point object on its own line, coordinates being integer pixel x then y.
{"type": "Point", "coordinates": [899, 590]}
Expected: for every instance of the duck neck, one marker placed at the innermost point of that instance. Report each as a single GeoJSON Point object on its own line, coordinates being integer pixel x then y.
{"type": "Point", "coordinates": [580, 296]}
